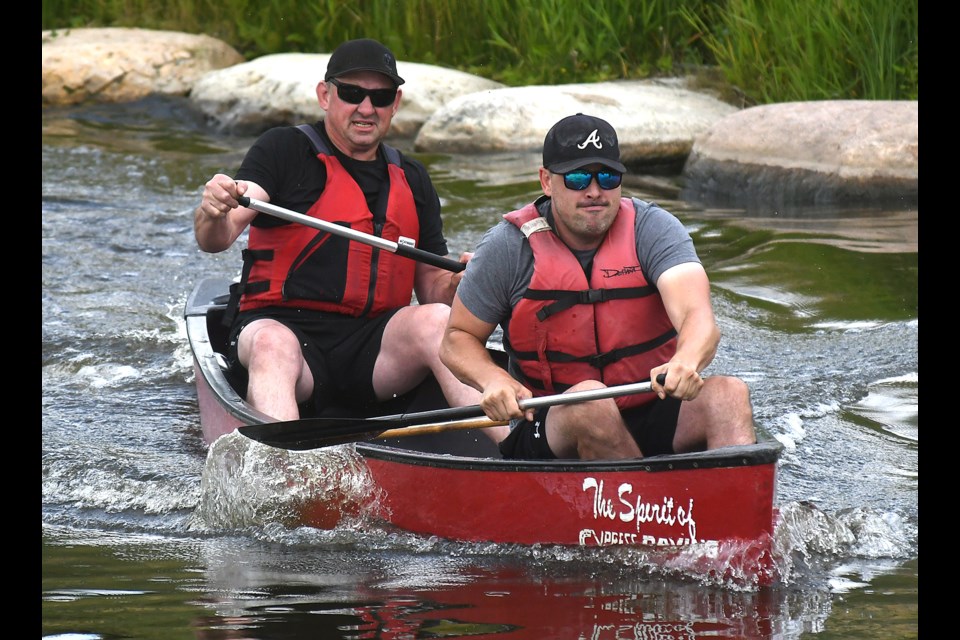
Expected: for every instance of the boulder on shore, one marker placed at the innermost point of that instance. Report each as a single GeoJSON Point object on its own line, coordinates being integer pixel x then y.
{"type": "Point", "coordinates": [815, 152]}
{"type": "Point", "coordinates": [803, 153]}
{"type": "Point", "coordinates": [120, 65]}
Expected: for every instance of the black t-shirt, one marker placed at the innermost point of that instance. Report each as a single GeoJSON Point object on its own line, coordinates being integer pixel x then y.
{"type": "Point", "coordinates": [284, 163]}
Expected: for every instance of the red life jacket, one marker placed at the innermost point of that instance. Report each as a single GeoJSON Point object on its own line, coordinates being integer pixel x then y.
{"type": "Point", "coordinates": [613, 328]}
{"type": "Point", "coordinates": [293, 265]}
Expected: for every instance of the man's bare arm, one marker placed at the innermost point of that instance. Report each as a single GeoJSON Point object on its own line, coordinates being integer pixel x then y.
{"type": "Point", "coordinates": [464, 351]}
{"type": "Point", "coordinates": [436, 284]}
{"type": "Point", "coordinates": [219, 219]}
{"type": "Point", "coordinates": [685, 290]}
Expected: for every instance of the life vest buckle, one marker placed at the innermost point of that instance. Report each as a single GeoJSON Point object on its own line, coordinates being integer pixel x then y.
{"type": "Point", "coordinates": [592, 296]}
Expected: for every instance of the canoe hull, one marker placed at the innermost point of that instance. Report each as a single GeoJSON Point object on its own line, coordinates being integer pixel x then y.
{"type": "Point", "coordinates": [573, 504]}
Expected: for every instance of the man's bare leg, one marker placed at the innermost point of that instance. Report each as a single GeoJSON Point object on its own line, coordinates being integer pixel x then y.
{"type": "Point", "coordinates": [279, 377]}
{"type": "Point", "coordinates": [591, 430]}
{"type": "Point", "coordinates": [720, 416]}
{"type": "Point", "coordinates": [410, 350]}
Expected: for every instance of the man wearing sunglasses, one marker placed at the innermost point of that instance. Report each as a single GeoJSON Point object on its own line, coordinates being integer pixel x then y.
{"type": "Point", "coordinates": [593, 290]}
{"type": "Point", "coordinates": [318, 317]}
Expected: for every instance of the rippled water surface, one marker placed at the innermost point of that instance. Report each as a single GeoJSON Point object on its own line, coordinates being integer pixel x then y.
{"type": "Point", "coordinates": [819, 309]}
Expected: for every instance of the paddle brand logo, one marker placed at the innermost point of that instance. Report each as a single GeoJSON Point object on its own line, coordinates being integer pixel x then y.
{"type": "Point", "coordinates": [594, 139]}
{"type": "Point", "coordinates": [665, 514]}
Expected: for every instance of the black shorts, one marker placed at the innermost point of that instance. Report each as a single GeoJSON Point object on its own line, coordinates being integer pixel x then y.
{"type": "Point", "coordinates": [652, 425]}
{"type": "Point", "coordinates": [340, 350]}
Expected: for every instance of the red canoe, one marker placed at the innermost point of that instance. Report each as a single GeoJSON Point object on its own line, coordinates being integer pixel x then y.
{"type": "Point", "coordinates": [453, 483]}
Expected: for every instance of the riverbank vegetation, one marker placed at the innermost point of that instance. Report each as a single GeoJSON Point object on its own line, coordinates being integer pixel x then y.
{"type": "Point", "coordinates": [766, 50]}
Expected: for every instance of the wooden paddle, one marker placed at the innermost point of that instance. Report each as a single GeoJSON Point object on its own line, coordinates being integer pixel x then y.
{"type": "Point", "coordinates": [440, 427]}
{"type": "Point", "coordinates": [401, 249]}
{"type": "Point", "coordinates": [313, 433]}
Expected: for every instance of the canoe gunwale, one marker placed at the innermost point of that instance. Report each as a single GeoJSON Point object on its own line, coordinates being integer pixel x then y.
{"type": "Point", "coordinates": [764, 452]}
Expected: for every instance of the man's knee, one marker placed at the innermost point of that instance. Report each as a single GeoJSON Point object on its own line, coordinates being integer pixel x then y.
{"type": "Point", "coordinates": [267, 342]}
{"type": "Point", "coordinates": [728, 388]}
{"type": "Point", "coordinates": [271, 337]}
{"type": "Point", "coordinates": [429, 320]}
{"type": "Point", "coordinates": [588, 385]}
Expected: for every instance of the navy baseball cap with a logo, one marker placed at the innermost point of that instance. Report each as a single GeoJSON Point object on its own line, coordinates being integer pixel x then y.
{"type": "Point", "coordinates": [581, 140]}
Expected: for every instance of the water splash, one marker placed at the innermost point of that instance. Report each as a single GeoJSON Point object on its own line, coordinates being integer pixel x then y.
{"type": "Point", "coordinates": [808, 540]}
{"type": "Point", "coordinates": [248, 484]}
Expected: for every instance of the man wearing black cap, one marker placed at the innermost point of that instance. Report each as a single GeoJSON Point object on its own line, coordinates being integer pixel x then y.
{"type": "Point", "coordinates": [321, 317]}
{"type": "Point", "coordinates": [594, 290]}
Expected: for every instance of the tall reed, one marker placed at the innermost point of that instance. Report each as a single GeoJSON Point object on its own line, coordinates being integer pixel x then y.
{"type": "Point", "coordinates": [770, 50]}
{"type": "Point", "coordinates": [816, 49]}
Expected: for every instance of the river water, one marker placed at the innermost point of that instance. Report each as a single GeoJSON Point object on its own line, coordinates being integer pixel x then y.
{"type": "Point", "coordinates": [819, 309]}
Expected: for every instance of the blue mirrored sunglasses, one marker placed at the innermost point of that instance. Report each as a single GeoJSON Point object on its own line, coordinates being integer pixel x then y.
{"type": "Point", "coordinates": [580, 179]}
{"type": "Point", "coordinates": [355, 94]}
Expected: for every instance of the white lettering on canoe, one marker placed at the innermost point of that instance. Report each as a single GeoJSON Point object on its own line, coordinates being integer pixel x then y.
{"type": "Point", "coordinates": [626, 508]}
{"type": "Point", "coordinates": [609, 538]}
{"type": "Point", "coordinates": [644, 631]}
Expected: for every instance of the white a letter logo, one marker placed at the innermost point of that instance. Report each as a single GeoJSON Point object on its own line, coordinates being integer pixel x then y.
{"type": "Point", "coordinates": [593, 139]}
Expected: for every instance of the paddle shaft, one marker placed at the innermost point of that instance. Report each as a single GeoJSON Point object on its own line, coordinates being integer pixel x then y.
{"type": "Point", "coordinates": [573, 397]}
{"type": "Point", "coordinates": [313, 433]}
{"type": "Point", "coordinates": [405, 250]}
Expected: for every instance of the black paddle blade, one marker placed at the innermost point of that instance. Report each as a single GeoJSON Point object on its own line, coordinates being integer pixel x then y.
{"type": "Point", "coordinates": [314, 433]}
{"type": "Point", "coordinates": [301, 437]}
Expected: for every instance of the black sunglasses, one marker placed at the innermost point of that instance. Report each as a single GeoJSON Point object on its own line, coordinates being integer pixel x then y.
{"type": "Point", "coordinates": [580, 179]}
{"type": "Point", "coordinates": [354, 95]}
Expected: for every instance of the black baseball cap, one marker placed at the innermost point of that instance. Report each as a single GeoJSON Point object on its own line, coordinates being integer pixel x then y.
{"type": "Point", "coordinates": [363, 55]}
{"type": "Point", "coordinates": [579, 140]}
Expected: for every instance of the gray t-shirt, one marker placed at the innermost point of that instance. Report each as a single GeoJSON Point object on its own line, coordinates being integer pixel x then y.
{"type": "Point", "coordinates": [501, 268]}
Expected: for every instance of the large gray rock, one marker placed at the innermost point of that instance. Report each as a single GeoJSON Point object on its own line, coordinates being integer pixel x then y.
{"type": "Point", "coordinates": [821, 152]}
{"type": "Point", "coordinates": [119, 65]}
{"type": "Point", "coordinates": [656, 122]}
{"type": "Point", "coordinates": [818, 152]}
{"type": "Point", "coordinates": [281, 89]}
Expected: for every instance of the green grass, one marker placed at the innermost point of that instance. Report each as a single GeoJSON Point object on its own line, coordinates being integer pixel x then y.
{"type": "Point", "coordinates": [816, 49]}
{"type": "Point", "coordinates": [768, 50]}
